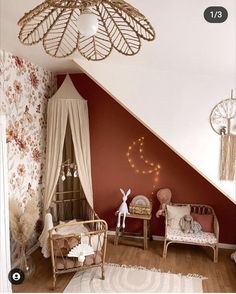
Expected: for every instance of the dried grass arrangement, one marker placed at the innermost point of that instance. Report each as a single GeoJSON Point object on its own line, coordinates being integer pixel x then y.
{"type": "Point", "coordinates": [23, 220]}
{"type": "Point", "coordinates": [22, 224]}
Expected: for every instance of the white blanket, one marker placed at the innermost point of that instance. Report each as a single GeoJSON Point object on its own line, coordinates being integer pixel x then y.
{"type": "Point", "coordinates": [44, 237]}
{"type": "Point", "coordinates": [65, 230]}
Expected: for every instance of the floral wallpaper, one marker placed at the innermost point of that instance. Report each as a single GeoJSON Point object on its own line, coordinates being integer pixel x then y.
{"type": "Point", "coordinates": [24, 92]}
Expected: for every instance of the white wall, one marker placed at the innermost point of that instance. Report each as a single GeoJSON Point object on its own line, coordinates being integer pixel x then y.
{"type": "Point", "coordinates": [175, 81]}
{"type": "Point", "coordinates": [5, 266]}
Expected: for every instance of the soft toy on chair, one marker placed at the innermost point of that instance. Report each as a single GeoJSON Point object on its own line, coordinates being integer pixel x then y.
{"type": "Point", "coordinates": [123, 209]}
{"type": "Point", "coordinates": [188, 225]}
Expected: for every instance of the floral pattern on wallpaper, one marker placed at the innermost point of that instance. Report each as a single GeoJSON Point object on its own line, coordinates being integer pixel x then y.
{"type": "Point", "coordinates": [25, 90]}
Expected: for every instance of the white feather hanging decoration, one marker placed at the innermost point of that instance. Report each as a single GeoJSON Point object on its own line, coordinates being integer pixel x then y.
{"type": "Point", "coordinates": [81, 251]}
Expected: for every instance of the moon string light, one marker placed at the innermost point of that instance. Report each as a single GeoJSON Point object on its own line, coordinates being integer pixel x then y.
{"type": "Point", "coordinates": [151, 167]}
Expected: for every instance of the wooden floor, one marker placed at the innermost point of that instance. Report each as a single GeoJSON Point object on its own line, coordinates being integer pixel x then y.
{"type": "Point", "coordinates": [180, 259]}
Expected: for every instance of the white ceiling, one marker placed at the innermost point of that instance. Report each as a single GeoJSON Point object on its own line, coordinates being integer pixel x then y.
{"type": "Point", "coordinates": [10, 13]}
{"type": "Point", "coordinates": [160, 15]}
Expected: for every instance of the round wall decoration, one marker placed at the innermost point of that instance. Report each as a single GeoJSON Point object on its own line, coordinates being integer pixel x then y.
{"type": "Point", "coordinates": [223, 116]}
{"type": "Point", "coordinates": [223, 122]}
{"type": "Point", "coordinates": [140, 200]}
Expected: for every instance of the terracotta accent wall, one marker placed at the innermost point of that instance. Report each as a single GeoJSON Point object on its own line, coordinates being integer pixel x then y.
{"type": "Point", "coordinates": [24, 92]}
{"type": "Point", "coordinates": [112, 130]}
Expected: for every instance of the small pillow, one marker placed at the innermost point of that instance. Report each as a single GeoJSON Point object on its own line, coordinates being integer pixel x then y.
{"type": "Point", "coordinates": [67, 222]}
{"type": "Point", "coordinates": [64, 263]}
{"type": "Point", "coordinates": [205, 220]}
{"type": "Point", "coordinates": [72, 229]}
{"type": "Point", "coordinates": [175, 213]}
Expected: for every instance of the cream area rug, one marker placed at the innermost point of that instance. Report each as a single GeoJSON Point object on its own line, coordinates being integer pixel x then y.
{"type": "Point", "coordinates": [131, 279]}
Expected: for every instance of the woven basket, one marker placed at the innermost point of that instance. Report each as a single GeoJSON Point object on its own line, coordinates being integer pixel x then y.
{"type": "Point", "coordinates": [138, 209]}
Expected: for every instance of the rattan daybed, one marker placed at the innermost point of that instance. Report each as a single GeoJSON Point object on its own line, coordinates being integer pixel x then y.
{"type": "Point", "coordinates": [201, 238]}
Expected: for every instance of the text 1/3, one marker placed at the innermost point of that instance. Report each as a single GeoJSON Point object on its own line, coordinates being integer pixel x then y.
{"type": "Point", "coordinates": [215, 14]}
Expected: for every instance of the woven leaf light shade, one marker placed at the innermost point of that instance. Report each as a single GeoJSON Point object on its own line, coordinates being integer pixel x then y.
{"type": "Point", "coordinates": [56, 23]}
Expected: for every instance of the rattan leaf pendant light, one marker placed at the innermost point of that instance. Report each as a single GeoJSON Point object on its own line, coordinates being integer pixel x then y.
{"type": "Point", "coordinates": [94, 27]}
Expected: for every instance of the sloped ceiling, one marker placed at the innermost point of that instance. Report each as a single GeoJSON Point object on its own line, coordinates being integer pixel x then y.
{"type": "Point", "coordinates": [172, 85]}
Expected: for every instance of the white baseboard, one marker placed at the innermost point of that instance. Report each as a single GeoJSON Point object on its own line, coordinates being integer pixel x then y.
{"type": "Point", "coordinates": [29, 252]}
{"type": "Point", "coordinates": [158, 238]}
{"type": "Point", "coordinates": [227, 246]}
{"type": "Point", "coordinates": [161, 238]}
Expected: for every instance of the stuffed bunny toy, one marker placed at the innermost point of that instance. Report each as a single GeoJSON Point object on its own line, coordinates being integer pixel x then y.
{"type": "Point", "coordinates": [188, 225]}
{"type": "Point", "coordinates": [196, 227]}
{"type": "Point", "coordinates": [123, 209]}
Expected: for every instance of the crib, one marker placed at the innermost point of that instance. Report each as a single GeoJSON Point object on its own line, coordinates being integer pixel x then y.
{"type": "Point", "coordinates": [75, 222]}
{"type": "Point", "coordinates": [69, 217]}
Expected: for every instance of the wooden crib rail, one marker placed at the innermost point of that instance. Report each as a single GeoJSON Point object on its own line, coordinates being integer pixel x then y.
{"type": "Point", "coordinates": [100, 225]}
{"type": "Point", "coordinates": [72, 208]}
{"type": "Point", "coordinates": [57, 253]}
{"type": "Point", "coordinates": [67, 192]}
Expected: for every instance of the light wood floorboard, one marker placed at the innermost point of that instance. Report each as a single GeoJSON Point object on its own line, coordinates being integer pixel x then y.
{"type": "Point", "coordinates": [181, 258]}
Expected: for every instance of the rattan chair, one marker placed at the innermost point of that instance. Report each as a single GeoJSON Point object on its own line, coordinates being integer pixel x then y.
{"type": "Point", "coordinates": [201, 239]}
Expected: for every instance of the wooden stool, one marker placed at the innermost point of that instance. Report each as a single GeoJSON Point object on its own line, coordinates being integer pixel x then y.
{"type": "Point", "coordinates": [146, 228]}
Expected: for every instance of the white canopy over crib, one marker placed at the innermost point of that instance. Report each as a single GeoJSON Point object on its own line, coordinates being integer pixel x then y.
{"type": "Point", "coordinates": [66, 107]}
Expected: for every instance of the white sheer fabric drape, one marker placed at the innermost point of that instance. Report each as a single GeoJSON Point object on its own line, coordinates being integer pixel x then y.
{"type": "Point", "coordinates": [79, 123]}
{"type": "Point", "coordinates": [66, 106]}
{"type": "Point", "coordinates": [60, 109]}
{"type": "Point", "coordinates": [56, 129]}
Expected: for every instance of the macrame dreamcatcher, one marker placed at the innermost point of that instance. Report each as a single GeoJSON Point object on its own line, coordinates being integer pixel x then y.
{"type": "Point", "coordinates": [223, 122]}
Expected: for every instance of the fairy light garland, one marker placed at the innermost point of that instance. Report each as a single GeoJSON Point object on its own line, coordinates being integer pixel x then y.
{"type": "Point", "coordinates": [153, 168]}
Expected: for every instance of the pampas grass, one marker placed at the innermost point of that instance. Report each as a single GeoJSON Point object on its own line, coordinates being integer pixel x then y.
{"type": "Point", "coordinates": [22, 221]}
